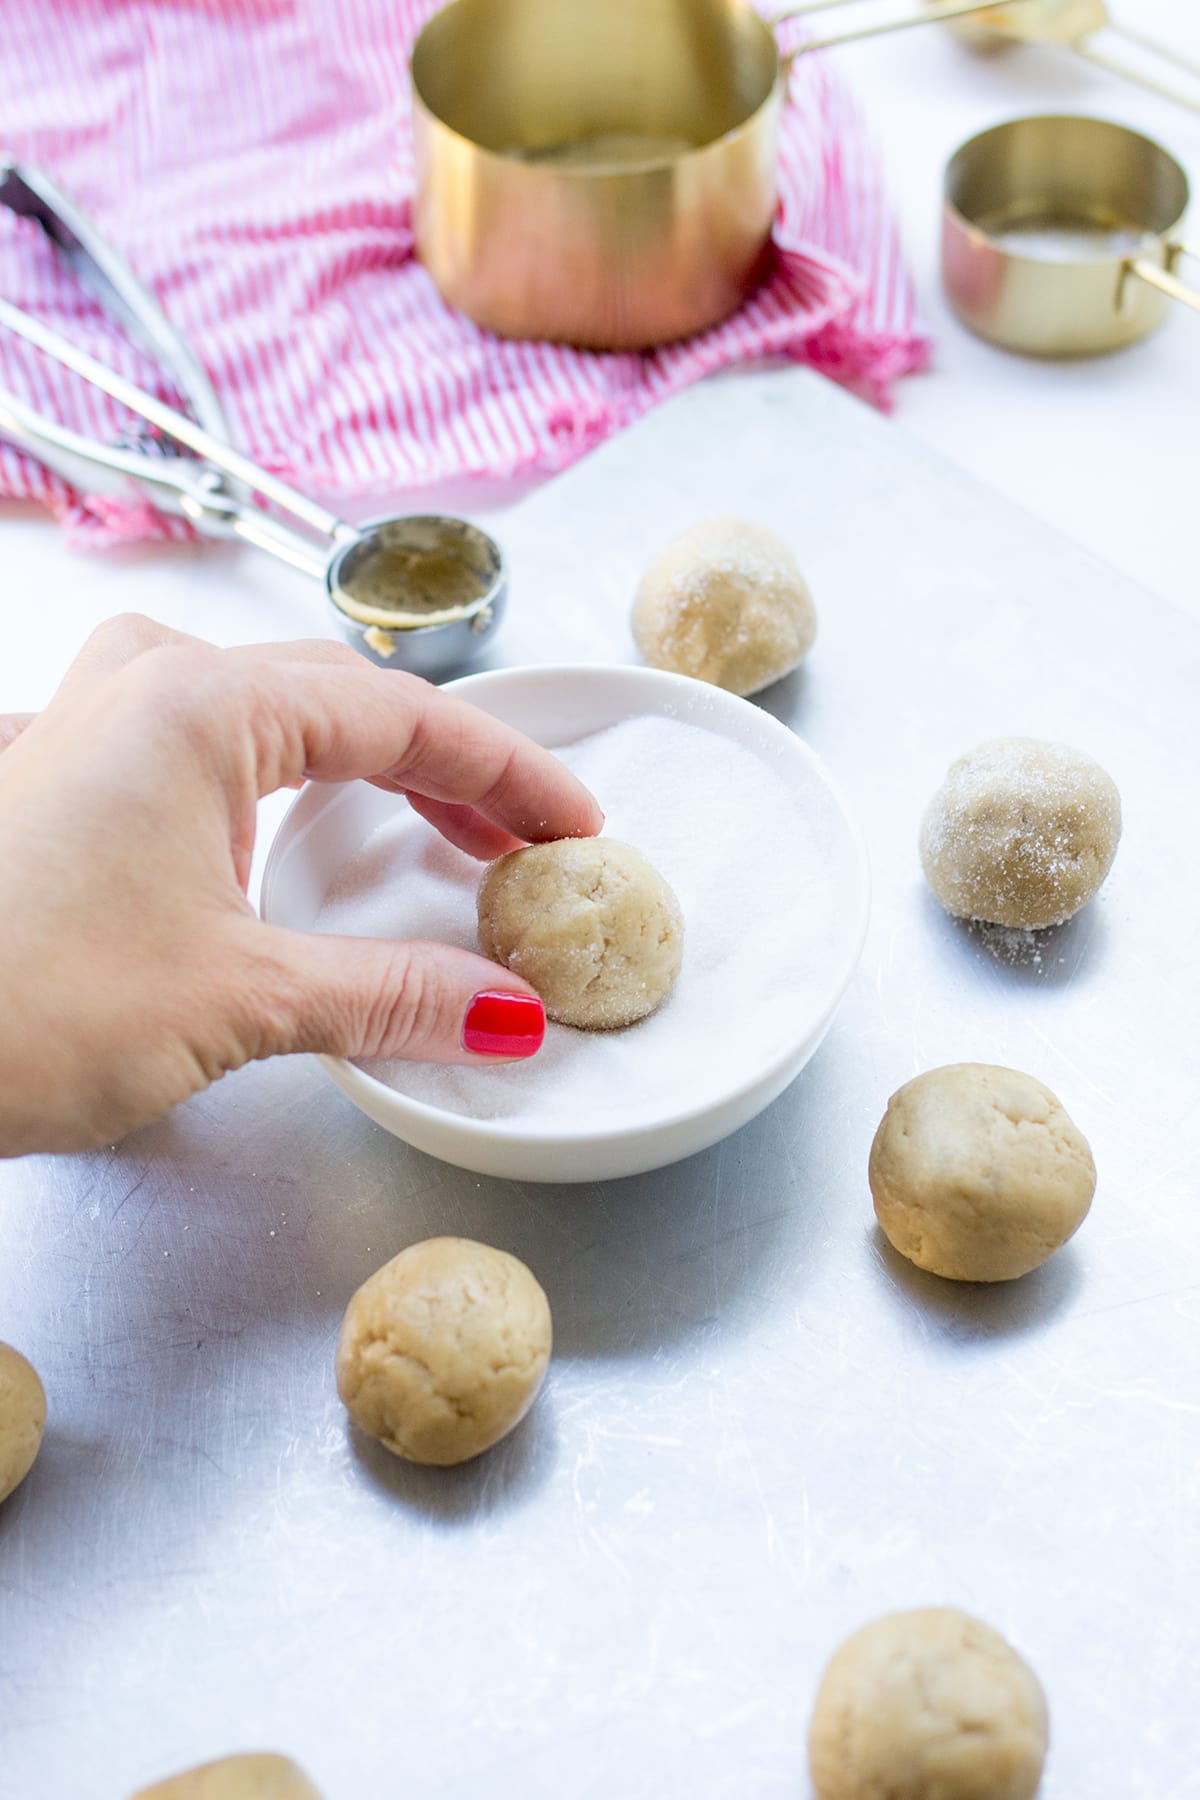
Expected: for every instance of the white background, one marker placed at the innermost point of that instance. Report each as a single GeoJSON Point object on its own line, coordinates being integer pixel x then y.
{"type": "Point", "coordinates": [1064, 1411]}
{"type": "Point", "coordinates": [1104, 448]}
{"type": "Point", "coordinates": [761, 1428]}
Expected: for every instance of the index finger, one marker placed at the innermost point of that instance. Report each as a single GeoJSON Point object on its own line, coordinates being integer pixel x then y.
{"type": "Point", "coordinates": [355, 722]}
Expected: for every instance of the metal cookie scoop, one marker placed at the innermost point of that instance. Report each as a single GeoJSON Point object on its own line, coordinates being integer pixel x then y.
{"type": "Point", "coordinates": [421, 593]}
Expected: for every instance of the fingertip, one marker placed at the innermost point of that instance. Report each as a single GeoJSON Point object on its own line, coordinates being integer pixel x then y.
{"type": "Point", "coordinates": [587, 823]}
{"type": "Point", "coordinates": [590, 822]}
{"type": "Point", "coordinates": [590, 814]}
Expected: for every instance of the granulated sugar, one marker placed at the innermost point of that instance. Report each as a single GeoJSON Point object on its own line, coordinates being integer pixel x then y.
{"type": "Point", "coordinates": [725, 602]}
{"type": "Point", "coordinates": [757, 905]}
{"type": "Point", "coordinates": [1021, 833]}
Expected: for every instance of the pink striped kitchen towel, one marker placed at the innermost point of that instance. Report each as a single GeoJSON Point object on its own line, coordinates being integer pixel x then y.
{"type": "Point", "coordinates": [253, 160]}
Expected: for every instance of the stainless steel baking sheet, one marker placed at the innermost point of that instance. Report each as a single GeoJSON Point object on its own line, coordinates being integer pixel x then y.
{"type": "Point", "coordinates": [760, 1429]}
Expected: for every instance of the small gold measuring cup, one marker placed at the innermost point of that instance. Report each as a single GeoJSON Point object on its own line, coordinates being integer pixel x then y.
{"type": "Point", "coordinates": [603, 172]}
{"type": "Point", "coordinates": [1060, 235]}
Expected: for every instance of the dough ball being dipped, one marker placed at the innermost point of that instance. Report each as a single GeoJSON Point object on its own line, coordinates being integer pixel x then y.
{"type": "Point", "coordinates": [924, 1704]}
{"type": "Point", "coordinates": [443, 1350]}
{"type": "Point", "coordinates": [259, 1775]}
{"type": "Point", "coordinates": [978, 1173]}
{"type": "Point", "coordinates": [589, 923]}
{"type": "Point", "coordinates": [22, 1418]}
{"type": "Point", "coordinates": [1022, 833]}
{"type": "Point", "coordinates": [725, 603]}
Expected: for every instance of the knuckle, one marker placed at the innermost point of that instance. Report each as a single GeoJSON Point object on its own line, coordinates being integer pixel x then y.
{"type": "Point", "coordinates": [178, 683]}
{"type": "Point", "coordinates": [132, 628]}
{"type": "Point", "coordinates": [411, 1008]}
{"type": "Point", "coordinates": [267, 1011]}
{"type": "Point", "coordinates": [337, 652]}
{"type": "Point", "coordinates": [127, 635]}
{"type": "Point", "coordinates": [505, 783]}
{"type": "Point", "coordinates": [275, 729]}
{"type": "Point", "coordinates": [395, 1013]}
{"type": "Point", "coordinates": [332, 1002]}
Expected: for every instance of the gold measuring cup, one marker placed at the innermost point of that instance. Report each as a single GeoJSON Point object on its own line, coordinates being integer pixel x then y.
{"type": "Point", "coordinates": [1060, 235]}
{"type": "Point", "coordinates": [603, 172]}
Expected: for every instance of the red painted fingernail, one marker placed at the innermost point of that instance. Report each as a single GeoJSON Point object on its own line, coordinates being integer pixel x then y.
{"type": "Point", "coordinates": [504, 1025]}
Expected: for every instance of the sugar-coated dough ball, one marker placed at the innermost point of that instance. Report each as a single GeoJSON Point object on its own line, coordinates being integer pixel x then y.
{"type": "Point", "coordinates": [22, 1418]}
{"type": "Point", "coordinates": [725, 603]}
{"type": "Point", "coordinates": [978, 1173]}
{"type": "Point", "coordinates": [1021, 833]}
{"type": "Point", "coordinates": [587, 922]}
{"type": "Point", "coordinates": [929, 1705]}
{"type": "Point", "coordinates": [258, 1776]}
{"type": "Point", "coordinates": [443, 1350]}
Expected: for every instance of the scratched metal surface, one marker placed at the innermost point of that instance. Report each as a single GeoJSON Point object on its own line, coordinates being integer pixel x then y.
{"type": "Point", "coordinates": [760, 1429]}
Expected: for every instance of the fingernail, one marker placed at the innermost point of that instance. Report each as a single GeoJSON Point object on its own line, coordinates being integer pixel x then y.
{"type": "Point", "coordinates": [504, 1025]}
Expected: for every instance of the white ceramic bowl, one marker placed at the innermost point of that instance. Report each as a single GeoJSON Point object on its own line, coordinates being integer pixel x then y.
{"type": "Point", "coordinates": [325, 826]}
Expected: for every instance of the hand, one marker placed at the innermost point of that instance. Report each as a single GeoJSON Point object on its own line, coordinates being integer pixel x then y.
{"type": "Point", "coordinates": [133, 971]}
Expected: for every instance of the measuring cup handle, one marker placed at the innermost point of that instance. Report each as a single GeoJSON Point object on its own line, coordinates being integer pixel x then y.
{"type": "Point", "coordinates": [1117, 65]}
{"type": "Point", "coordinates": [1165, 280]}
{"type": "Point", "coordinates": [932, 15]}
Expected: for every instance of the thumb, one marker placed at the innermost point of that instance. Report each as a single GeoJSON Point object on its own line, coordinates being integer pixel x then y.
{"type": "Point", "coordinates": [419, 1002]}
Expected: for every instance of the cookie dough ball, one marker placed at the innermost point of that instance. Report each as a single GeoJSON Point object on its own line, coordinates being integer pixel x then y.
{"type": "Point", "coordinates": [22, 1418]}
{"type": "Point", "coordinates": [725, 603]}
{"type": "Point", "coordinates": [919, 1705]}
{"type": "Point", "coordinates": [258, 1776]}
{"type": "Point", "coordinates": [443, 1350]}
{"type": "Point", "coordinates": [588, 923]}
{"type": "Point", "coordinates": [978, 1173]}
{"type": "Point", "coordinates": [1021, 832]}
